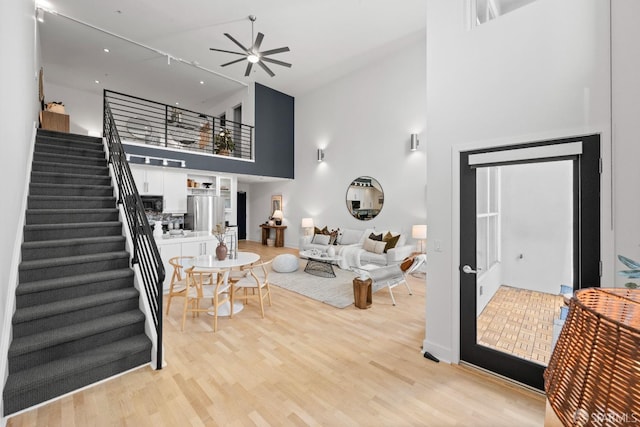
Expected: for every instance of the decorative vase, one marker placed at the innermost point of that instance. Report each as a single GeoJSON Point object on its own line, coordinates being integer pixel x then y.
{"type": "Point", "coordinates": [331, 251]}
{"type": "Point", "coordinates": [221, 251]}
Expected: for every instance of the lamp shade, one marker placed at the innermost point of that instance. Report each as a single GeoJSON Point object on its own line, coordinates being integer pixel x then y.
{"type": "Point", "coordinates": [419, 232]}
{"type": "Point", "coordinates": [307, 222]}
{"type": "Point", "coordinates": [593, 377]}
{"type": "Point", "coordinates": [277, 215]}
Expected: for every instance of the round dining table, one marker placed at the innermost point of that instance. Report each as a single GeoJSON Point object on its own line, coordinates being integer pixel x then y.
{"type": "Point", "coordinates": [210, 262]}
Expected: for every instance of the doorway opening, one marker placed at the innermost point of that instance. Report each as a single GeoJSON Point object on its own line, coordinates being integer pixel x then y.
{"type": "Point", "coordinates": [529, 233]}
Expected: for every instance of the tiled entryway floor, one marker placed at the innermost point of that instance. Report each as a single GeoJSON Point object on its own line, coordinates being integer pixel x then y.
{"type": "Point", "coordinates": [520, 322]}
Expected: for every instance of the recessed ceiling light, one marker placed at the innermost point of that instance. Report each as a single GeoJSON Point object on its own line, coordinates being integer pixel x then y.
{"type": "Point", "coordinates": [201, 82]}
{"type": "Point", "coordinates": [106, 50]}
{"type": "Point", "coordinates": [97, 82]}
{"type": "Point", "coordinates": [177, 103]}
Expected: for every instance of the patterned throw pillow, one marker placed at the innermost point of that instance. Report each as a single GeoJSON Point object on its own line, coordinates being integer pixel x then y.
{"type": "Point", "coordinates": [376, 237]}
{"type": "Point", "coordinates": [391, 241]}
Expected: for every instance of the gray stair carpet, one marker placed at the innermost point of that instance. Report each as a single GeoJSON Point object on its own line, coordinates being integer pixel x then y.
{"type": "Point", "coordinates": [77, 318]}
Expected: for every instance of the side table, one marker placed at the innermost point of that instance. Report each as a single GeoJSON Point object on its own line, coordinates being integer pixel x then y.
{"type": "Point", "coordinates": [279, 230]}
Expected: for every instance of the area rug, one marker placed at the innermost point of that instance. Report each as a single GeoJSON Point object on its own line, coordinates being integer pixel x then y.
{"type": "Point", "coordinates": [335, 291]}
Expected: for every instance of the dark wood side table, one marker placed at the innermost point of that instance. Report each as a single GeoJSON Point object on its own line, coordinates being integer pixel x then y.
{"type": "Point", "coordinates": [266, 232]}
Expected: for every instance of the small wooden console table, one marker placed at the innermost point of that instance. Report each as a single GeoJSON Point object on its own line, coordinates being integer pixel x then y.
{"type": "Point", "coordinates": [266, 231]}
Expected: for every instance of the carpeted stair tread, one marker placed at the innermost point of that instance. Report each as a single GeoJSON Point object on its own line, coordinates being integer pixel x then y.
{"type": "Point", "coordinates": [57, 137]}
{"type": "Point", "coordinates": [46, 374]}
{"type": "Point", "coordinates": [39, 341]}
{"type": "Point", "coordinates": [72, 225]}
{"type": "Point", "coordinates": [46, 189]}
{"type": "Point", "coordinates": [80, 259]}
{"type": "Point", "coordinates": [64, 216]}
{"type": "Point", "coordinates": [36, 232]}
{"type": "Point", "coordinates": [68, 159]}
{"type": "Point", "coordinates": [29, 314]}
{"type": "Point", "coordinates": [70, 281]}
{"type": "Point", "coordinates": [70, 202]}
{"type": "Point", "coordinates": [71, 242]}
{"type": "Point", "coordinates": [84, 151]}
{"type": "Point", "coordinates": [69, 247]}
{"type": "Point", "coordinates": [69, 178]}
{"type": "Point", "coordinates": [40, 166]}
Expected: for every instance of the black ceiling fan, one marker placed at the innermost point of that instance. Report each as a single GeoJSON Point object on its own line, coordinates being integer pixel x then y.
{"type": "Point", "coordinates": [253, 55]}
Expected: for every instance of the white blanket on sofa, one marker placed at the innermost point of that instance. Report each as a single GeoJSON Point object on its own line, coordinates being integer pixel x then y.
{"type": "Point", "coordinates": [350, 257]}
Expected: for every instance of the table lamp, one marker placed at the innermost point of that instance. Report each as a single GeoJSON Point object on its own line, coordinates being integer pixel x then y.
{"type": "Point", "coordinates": [593, 377]}
{"type": "Point", "coordinates": [307, 224]}
{"type": "Point", "coordinates": [277, 216]}
{"type": "Point", "coordinates": [419, 232]}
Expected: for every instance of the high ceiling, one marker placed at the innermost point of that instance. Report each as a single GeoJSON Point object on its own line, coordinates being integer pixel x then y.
{"type": "Point", "coordinates": [327, 38]}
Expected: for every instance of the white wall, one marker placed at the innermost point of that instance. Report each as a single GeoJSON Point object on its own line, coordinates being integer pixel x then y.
{"type": "Point", "coordinates": [84, 108]}
{"type": "Point", "coordinates": [364, 122]}
{"type": "Point", "coordinates": [537, 221]}
{"type": "Point", "coordinates": [541, 71]}
{"type": "Point", "coordinates": [20, 53]}
{"type": "Point", "coordinates": [626, 130]}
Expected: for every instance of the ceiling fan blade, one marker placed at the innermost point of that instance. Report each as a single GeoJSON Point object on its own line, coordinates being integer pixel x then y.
{"type": "Point", "coordinates": [227, 51]}
{"type": "Point", "coordinates": [236, 42]}
{"type": "Point", "coordinates": [274, 51]}
{"type": "Point", "coordinates": [233, 62]}
{"type": "Point", "coordinates": [264, 67]}
{"type": "Point", "coordinates": [275, 61]}
{"type": "Point", "coordinates": [258, 42]}
{"type": "Point", "coordinates": [249, 65]}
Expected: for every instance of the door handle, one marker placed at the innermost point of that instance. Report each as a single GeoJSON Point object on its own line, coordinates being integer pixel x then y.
{"type": "Point", "coordinates": [467, 269]}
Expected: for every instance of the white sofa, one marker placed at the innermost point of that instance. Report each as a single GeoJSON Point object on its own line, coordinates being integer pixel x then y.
{"type": "Point", "coordinates": [352, 246]}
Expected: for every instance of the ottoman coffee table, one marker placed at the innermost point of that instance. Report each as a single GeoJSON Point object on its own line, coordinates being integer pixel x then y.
{"type": "Point", "coordinates": [319, 263]}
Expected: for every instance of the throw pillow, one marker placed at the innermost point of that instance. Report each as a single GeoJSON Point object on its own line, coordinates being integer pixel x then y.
{"type": "Point", "coordinates": [317, 230]}
{"type": "Point", "coordinates": [320, 239]}
{"type": "Point", "coordinates": [376, 237]}
{"type": "Point", "coordinates": [391, 241]}
{"type": "Point", "coordinates": [349, 237]}
{"type": "Point", "coordinates": [374, 246]}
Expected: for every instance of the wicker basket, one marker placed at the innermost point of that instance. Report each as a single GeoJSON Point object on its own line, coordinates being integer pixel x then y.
{"type": "Point", "coordinates": [593, 377]}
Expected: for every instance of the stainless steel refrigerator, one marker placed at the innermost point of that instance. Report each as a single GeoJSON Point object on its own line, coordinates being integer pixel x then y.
{"type": "Point", "coordinates": [203, 213]}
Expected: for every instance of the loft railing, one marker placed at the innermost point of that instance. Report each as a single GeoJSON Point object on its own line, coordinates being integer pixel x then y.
{"type": "Point", "coordinates": [148, 122]}
{"type": "Point", "coordinates": [145, 251]}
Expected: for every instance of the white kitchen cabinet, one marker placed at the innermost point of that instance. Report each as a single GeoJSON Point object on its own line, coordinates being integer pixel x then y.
{"type": "Point", "coordinates": [175, 191]}
{"type": "Point", "coordinates": [149, 180]}
{"type": "Point", "coordinates": [168, 251]}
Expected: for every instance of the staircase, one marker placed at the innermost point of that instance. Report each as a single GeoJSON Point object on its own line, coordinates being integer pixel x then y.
{"type": "Point", "coordinates": [77, 319]}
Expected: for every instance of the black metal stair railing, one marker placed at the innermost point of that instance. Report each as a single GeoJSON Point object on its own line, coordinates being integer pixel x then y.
{"type": "Point", "coordinates": [145, 251]}
{"type": "Point", "coordinates": [142, 121]}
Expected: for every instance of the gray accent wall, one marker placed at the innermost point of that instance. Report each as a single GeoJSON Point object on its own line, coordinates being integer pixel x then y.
{"type": "Point", "coordinates": [274, 142]}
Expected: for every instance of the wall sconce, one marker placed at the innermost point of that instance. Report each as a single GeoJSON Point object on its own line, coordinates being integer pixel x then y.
{"type": "Point", "coordinates": [40, 15]}
{"type": "Point", "coordinates": [320, 155]}
{"type": "Point", "coordinates": [414, 142]}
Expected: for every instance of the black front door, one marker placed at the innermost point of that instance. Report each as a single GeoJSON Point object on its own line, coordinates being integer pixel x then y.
{"type": "Point", "coordinates": [499, 236]}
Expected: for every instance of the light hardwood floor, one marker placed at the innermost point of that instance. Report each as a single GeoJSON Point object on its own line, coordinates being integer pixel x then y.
{"type": "Point", "coordinates": [305, 364]}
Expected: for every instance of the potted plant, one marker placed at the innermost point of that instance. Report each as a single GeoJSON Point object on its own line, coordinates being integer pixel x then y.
{"type": "Point", "coordinates": [224, 143]}
{"type": "Point", "coordinates": [633, 273]}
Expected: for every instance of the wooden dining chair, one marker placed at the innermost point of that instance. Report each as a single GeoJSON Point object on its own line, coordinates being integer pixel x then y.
{"type": "Point", "coordinates": [179, 278]}
{"type": "Point", "coordinates": [257, 280]}
{"type": "Point", "coordinates": [198, 289]}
